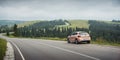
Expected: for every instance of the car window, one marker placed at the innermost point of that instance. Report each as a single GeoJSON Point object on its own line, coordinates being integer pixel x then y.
{"type": "Point", "coordinates": [84, 33]}
{"type": "Point", "coordinates": [74, 33]}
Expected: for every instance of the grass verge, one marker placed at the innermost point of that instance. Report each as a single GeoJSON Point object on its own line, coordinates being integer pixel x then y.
{"type": "Point", "coordinates": [3, 46]}
{"type": "Point", "coordinates": [104, 42]}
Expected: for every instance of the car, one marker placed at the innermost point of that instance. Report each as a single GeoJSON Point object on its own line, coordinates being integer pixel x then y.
{"type": "Point", "coordinates": [78, 36]}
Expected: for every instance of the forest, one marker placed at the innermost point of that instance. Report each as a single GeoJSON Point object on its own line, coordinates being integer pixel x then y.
{"type": "Point", "coordinates": [109, 32]}
{"type": "Point", "coordinates": [47, 29]}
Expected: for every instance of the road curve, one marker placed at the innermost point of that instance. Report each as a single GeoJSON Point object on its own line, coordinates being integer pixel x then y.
{"type": "Point", "coordinates": [39, 49]}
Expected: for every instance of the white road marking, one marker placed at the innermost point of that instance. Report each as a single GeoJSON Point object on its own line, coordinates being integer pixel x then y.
{"type": "Point", "coordinates": [71, 51]}
{"type": "Point", "coordinates": [18, 51]}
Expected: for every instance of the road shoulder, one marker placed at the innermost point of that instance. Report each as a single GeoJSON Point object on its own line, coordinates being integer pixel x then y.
{"type": "Point", "coordinates": [9, 53]}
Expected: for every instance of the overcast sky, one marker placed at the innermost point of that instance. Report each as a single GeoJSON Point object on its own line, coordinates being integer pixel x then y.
{"type": "Point", "coordinates": [59, 9]}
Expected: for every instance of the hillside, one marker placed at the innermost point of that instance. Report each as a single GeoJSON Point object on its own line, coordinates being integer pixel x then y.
{"type": "Point", "coordinates": [27, 23]}
{"type": "Point", "coordinates": [69, 23]}
{"type": "Point", "coordinates": [48, 29]}
{"type": "Point", "coordinates": [79, 23]}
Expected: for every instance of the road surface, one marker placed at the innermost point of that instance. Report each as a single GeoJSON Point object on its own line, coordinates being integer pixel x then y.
{"type": "Point", "coordinates": [38, 49]}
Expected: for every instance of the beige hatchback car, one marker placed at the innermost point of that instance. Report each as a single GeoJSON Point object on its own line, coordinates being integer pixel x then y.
{"type": "Point", "coordinates": [79, 36]}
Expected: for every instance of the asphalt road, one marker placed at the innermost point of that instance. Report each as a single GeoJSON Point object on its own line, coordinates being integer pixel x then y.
{"type": "Point", "coordinates": [38, 49]}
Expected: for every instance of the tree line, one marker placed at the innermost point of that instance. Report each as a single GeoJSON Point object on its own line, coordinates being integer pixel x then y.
{"type": "Point", "coordinates": [116, 21]}
{"type": "Point", "coordinates": [107, 31]}
{"type": "Point", "coordinates": [47, 29]}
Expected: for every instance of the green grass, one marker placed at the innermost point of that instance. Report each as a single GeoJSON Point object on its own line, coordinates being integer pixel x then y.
{"type": "Point", "coordinates": [101, 41]}
{"type": "Point", "coordinates": [79, 23]}
{"type": "Point", "coordinates": [10, 35]}
{"type": "Point", "coordinates": [76, 23]}
{"type": "Point", "coordinates": [3, 47]}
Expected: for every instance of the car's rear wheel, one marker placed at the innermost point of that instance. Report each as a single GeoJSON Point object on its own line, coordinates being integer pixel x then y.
{"type": "Point", "coordinates": [88, 42]}
{"type": "Point", "coordinates": [68, 40]}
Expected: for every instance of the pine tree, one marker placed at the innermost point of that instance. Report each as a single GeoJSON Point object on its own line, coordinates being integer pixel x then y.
{"type": "Point", "coordinates": [7, 33]}
{"type": "Point", "coordinates": [15, 30]}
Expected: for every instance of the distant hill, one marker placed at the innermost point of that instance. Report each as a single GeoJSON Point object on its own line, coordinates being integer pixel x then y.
{"type": "Point", "coordinates": [27, 23]}
{"type": "Point", "coordinates": [79, 23]}
{"type": "Point", "coordinates": [68, 23]}
{"type": "Point", "coordinates": [10, 22]}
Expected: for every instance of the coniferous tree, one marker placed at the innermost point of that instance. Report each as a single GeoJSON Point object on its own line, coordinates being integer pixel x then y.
{"type": "Point", "coordinates": [15, 30]}
{"type": "Point", "coordinates": [7, 33]}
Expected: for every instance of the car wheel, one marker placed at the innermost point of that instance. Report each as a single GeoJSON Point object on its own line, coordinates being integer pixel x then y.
{"type": "Point", "coordinates": [76, 41]}
{"type": "Point", "coordinates": [88, 42]}
{"type": "Point", "coordinates": [68, 40]}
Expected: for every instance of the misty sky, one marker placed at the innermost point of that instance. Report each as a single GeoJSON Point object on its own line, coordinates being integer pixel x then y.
{"type": "Point", "coordinates": [59, 9]}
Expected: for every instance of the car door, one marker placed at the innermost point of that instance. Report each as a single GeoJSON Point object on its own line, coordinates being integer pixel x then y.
{"type": "Point", "coordinates": [73, 37]}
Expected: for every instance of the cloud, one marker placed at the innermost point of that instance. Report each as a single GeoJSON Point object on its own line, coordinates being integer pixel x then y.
{"type": "Point", "coordinates": [56, 9]}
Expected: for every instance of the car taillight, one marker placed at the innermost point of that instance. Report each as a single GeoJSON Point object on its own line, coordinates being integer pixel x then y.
{"type": "Point", "coordinates": [79, 36]}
